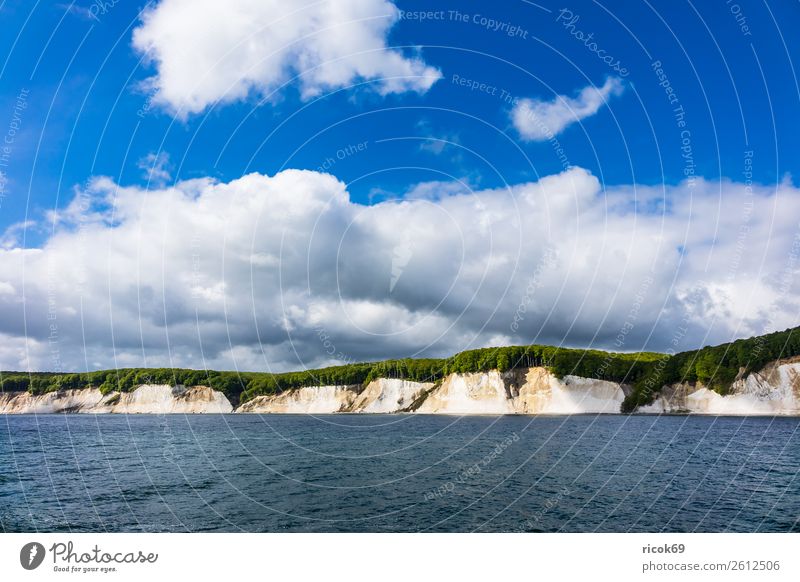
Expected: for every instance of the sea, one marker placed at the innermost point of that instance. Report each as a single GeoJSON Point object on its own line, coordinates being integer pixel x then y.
{"type": "Point", "coordinates": [398, 473]}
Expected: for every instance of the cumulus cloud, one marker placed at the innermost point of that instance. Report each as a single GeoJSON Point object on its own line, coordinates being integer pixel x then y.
{"type": "Point", "coordinates": [537, 120]}
{"type": "Point", "coordinates": [10, 238]}
{"type": "Point", "coordinates": [207, 51]}
{"type": "Point", "coordinates": [285, 271]}
{"type": "Point", "coordinates": [155, 168]}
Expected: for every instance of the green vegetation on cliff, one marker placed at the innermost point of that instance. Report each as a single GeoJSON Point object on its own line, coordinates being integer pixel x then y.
{"type": "Point", "coordinates": [123, 380]}
{"type": "Point", "coordinates": [716, 367]}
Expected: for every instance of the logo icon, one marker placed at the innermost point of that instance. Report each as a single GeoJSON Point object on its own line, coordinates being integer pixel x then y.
{"type": "Point", "coordinates": [31, 555]}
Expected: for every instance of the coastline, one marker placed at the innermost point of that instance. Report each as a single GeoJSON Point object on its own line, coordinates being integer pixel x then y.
{"type": "Point", "coordinates": [535, 391]}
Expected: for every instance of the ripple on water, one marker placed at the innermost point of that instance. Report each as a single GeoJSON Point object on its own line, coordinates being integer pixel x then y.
{"type": "Point", "coordinates": [425, 473]}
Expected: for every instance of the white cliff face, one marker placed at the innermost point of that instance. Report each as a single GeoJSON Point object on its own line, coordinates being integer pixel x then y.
{"type": "Point", "coordinates": [309, 400]}
{"type": "Point", "coordinates": [387, 395]}
{"type": "Point", "coordinates": [538, 392]}
{"type": "Point", "coordinates": [163, 399]}
{"type": "Point", "coordinates": [87, 400]}
{"type": "Point", "coordinates": [543, 393]}
{"type": "Point", "coordinates": [773, 391]}
{"type": "Point", "coordinates": [146, 399]}
{"type": "Point", "coordinates": [482, 393]}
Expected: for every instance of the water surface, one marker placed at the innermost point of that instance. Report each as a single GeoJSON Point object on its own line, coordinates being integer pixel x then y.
{"type": "Point", "coordinates": [343, 473]}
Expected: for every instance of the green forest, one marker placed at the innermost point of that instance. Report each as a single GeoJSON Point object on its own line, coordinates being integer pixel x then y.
{"type": "Point", "coordinates": [716, 367]}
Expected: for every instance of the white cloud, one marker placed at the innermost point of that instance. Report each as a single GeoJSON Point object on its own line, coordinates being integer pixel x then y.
{"type": "Point", "coordinates": [155, 168]}
{"type": "Point", "coordinates": [207, 51]}
{"type": "Point", "coordinates": [286, 271]}
{"type": "Point", "coordinates": [537, 120]}
{"type": "Point", "coordinates": [10, 238]}
{"type": "Point", "coordinates": [438, 189]}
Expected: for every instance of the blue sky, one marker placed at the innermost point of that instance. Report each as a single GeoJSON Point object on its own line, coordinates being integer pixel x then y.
{"type": "Point", "coordinates": [83, 75]}
{"type": "Point", "coordinates": [635, 97]}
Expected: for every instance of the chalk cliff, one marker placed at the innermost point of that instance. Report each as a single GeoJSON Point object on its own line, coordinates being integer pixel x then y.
{"type": "Point", "coordinates": [482, 393]}
{"type": "Point", "coordinates": [775, 390]}
{"type": "Point", "coordinates": [148, 398]}
{"type": "Point", "coordinates": [527, 391]}
{"type": "Point", "coordinates": [543, 393]}
{"type": "Point", "coordinates": [89, 399]}
{"type": "Point", "coordinates": [309, 400]}
{"type": "Point", "coordinates": [389, 395]}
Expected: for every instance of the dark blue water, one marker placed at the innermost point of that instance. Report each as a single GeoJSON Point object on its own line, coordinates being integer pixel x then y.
{"type": "Point", "coordinates": [280, 473]}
